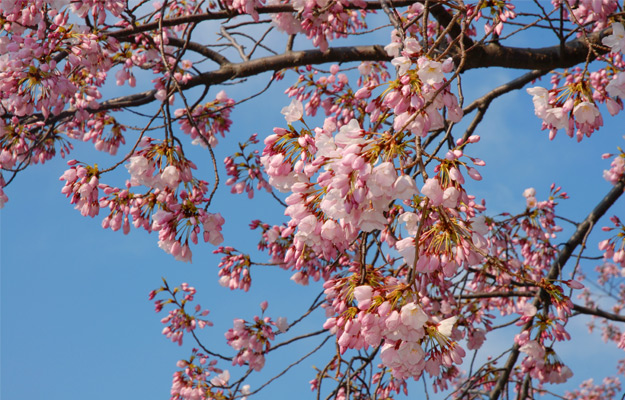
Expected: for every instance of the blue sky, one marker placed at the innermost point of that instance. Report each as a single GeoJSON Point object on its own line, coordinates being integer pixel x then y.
{"type": "Point", "coordinates": [76, 322]}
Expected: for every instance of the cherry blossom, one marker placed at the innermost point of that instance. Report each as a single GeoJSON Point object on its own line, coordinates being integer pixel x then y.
{"type": "Point", "coordinates": [617, 39]}
{"type": "Point", "coordinates": [369, 167]}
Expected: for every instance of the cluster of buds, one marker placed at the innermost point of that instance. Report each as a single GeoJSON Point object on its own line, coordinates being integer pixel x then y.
{"type": "Point", "coordinates": [252, 339]}
{"type": "Point", "coordinates": [178, 320]}
{"type": "Point", "coordinates": [614, 247]}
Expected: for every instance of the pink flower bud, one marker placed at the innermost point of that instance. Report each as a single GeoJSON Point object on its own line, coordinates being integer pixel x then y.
{"type": "Point", "coordinates": [474, 174]}
{"type": "Point", "coordinates": [573, 284]}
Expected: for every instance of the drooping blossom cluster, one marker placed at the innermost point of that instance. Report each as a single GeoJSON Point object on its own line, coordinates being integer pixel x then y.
{"type": "Point", "coordinates": [200, 379]}
{"type": "Point", "coordinates": [32, 79]}
{"type": "Point", "coordinates": [322, 21]}
{"type": "Point", "coordinates": [356, 194]}
{"type": "Point", "coordinates": [500, 13]}
{"type": "Point", "coordinates": [192, 381]}
{"type": "Point", "coordinates": [234, 269]}
{"type": "Point", "coordinates": [542, 364]}
{"type": "Point", "coordinates": [617, 167]}
{"type": "Point", "coordinates": [574, 106]}
{"type": "Point", "coordinates": [277, 240]}
{"type": "Point", "coordinates": [588, 12]}
{"type": "Point", "coordinates": [610, 387]}
{"type": "Point", "coordinates": [253, 339]}
{"type": "Point", "coordinates": [178, 320]}
{"type": "Point", "coordinates": [411, 341]}
{"type": "Point", "coordinates": [614, 247]}
{"type": "Point", "coordinates": [82, 185]}
{"type": "Point", "coordinates": [36, 82]}
{"type": "Point", "coordinates": [165, 207]}
{"type": "Point", "coordinates": [578, 115]}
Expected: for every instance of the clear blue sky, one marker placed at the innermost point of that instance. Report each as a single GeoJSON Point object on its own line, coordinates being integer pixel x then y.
{"type": "Point", "coordinates": [76, 321]}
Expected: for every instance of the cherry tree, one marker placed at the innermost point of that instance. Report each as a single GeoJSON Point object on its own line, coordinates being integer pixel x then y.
{"type": "Point", "coordinates": [373, 167]}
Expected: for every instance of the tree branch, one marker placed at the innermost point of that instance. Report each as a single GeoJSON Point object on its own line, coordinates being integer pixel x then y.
{"type": "Point", "coordinates": [598, 312]}
{"type": "Point", "coordinates": [491, 55]}
{"type": "Point", "coordinates": [544, 58]}
{"type": "Point", "coordinates": [200, 49]}
{"type": "Point", "coordinates": [483, 102]}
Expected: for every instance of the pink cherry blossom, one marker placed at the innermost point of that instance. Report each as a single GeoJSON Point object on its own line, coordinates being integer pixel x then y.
{"type": "Point", "coordinates": [617, 39]}
{"type": "Point", "coordinates": [433, 191]}
{"type": "Point", "coordinates": [293, 112]}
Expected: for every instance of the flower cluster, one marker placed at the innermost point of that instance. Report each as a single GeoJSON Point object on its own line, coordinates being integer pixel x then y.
{"type": "Point", "coordinates": [589, 12]}
{"type": "Point", "coordinates": [321, 20]}
{"type": "Point", "coordinates": [617, 168]}
{"type": "Point", "coordinates": [82, 185]}
{"type": "Point", "coordinates": [574, 106]}
{"type": "Point", "coordinates": [352, 193]}
{"type": "Point", "coordinates": [500, 13]}
{"type": "Point", "coordinates": [176, 213]}
{"type": "Point", "coordinates": [614, 248]}
{"type": "Point", "coordinates": [178, 320]}
{"type": "Point", "coordinates": [610, 387]}
{"type": "Point", "coordinates": [411, 340]}
{"type": "Point", "coordinates": [410, 263]}
{"type": "Point", "coordinates": [542, 363]}
{"type": "Point", "coordinates": [234, 269]}
{"type": "Point", "coordinates": [252, 339]}
{"type": "Point", "coordinates": [192, 381]}
{"type": "Point", "coordinates": [577, 114]}
{"type": "Point", "coordinates": [418, 97]}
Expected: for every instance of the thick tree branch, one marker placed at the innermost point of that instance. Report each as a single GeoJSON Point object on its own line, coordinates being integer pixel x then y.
{"type": "Point", "coordinates": [545, 58]}
{"type": "Point", "coordinates": [598, 312]}
{"type": "Point", "coordinates": [492, 55]}
{"type": "Point", "coordinates": [288, 60]}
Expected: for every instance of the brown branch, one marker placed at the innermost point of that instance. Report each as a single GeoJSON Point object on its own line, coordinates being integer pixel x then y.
{"type": "Point", "coordinates": [488, 295]}
{"type": "Point", "coordinates": [288, 60]}
{"type": "Point", "coordinates": [311, 334]}
{"type": "Point", "coordinates": [598, 312]}
{"type": "Point", "coordinates": [544, 58]}
{"type": "Point", "coordinates": [503, 89]}
{"type": "Point", "coordinates": [200, 49]}
{"type": "Point", "coordinates": [483, 102]}
{"type": "Point", "coordinates": [479, 57]}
